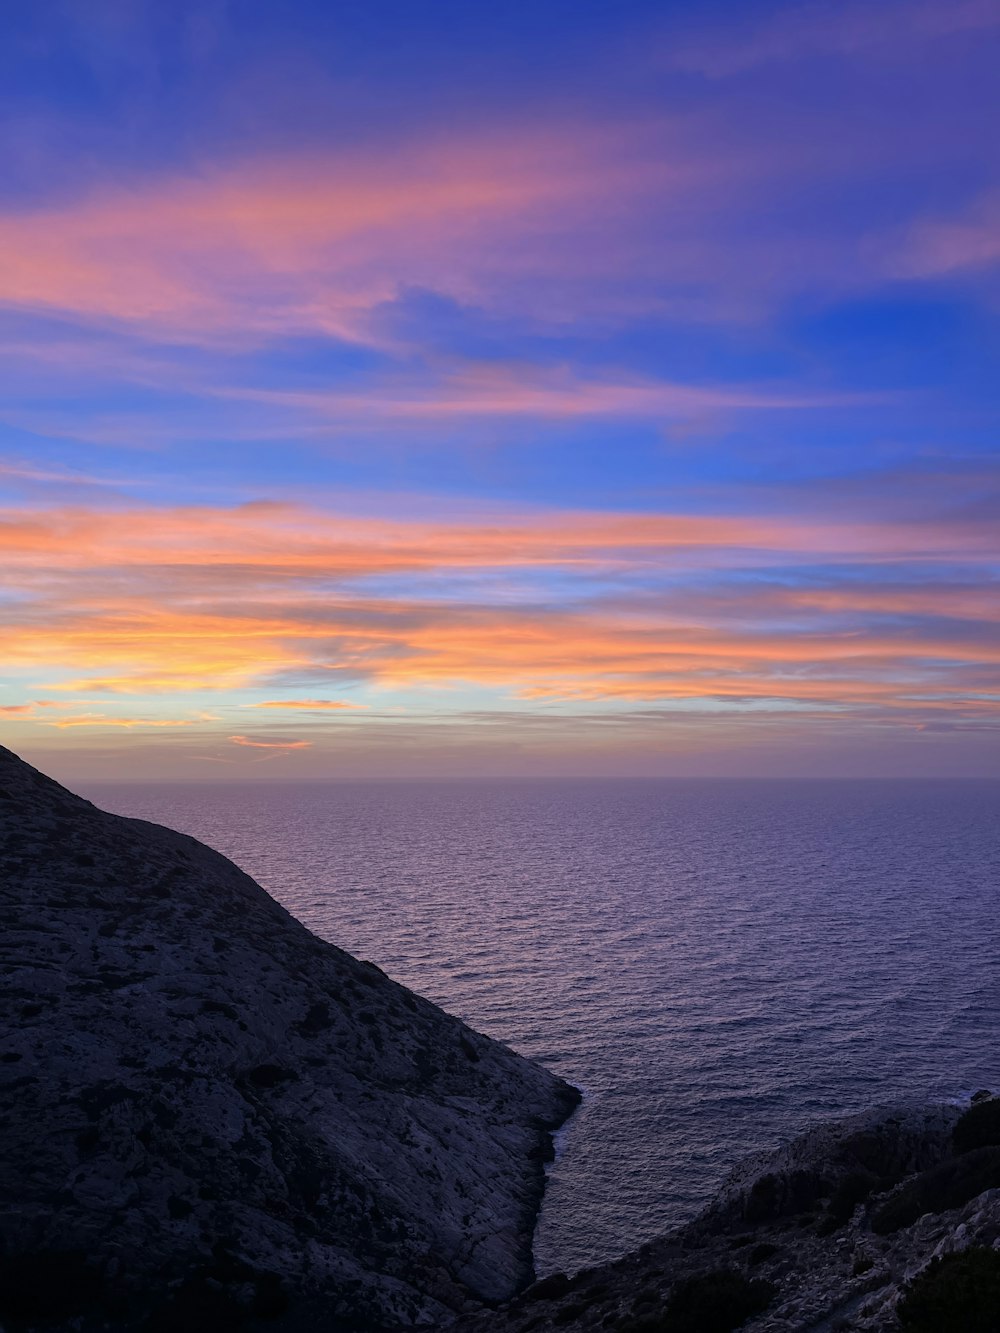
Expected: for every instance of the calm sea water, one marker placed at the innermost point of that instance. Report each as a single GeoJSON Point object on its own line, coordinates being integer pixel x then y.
{"type": "Point", "coordinates": [715, 963]}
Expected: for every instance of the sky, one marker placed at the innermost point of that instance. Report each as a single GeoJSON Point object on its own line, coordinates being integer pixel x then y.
{"type": "Point", "coordinates": [570, 388]}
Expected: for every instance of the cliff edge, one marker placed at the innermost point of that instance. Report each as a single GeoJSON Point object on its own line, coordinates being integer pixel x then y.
{"type": "Point", "coordinates": [884, 1222]}
{"type": "Point", "coordinates": [208, 1115]}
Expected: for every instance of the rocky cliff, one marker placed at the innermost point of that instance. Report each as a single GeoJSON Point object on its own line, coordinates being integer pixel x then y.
{"type": "Point", "coordinates": [887, 1222]}
{"type": "Point", "coordinates": [208, 1115]}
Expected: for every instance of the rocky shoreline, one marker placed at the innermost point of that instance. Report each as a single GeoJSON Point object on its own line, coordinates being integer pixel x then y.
{"type": "Point", "coordinates": [828, 1234]}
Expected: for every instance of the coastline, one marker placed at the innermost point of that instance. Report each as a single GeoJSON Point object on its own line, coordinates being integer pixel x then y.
{"type": "Point", "coordinates": [829, 1232]}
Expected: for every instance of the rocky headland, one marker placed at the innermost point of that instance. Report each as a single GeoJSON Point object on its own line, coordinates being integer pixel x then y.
{"type": "Point", "coordinates": [211, 1120]}
{"type": "Point", "coordinates": [887, 1221]}
{"type": "Point", "coordinates": [209, 1117]}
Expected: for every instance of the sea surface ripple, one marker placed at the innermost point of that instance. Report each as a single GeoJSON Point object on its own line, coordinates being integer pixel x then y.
{"type": "Point", "coordinates": [716, 963]}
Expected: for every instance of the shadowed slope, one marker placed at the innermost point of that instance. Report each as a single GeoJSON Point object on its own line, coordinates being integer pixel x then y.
{"type": "Point", "coordinates": [194, 1088]}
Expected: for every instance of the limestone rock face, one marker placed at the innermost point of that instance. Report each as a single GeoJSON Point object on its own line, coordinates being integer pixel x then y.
{"type": "Point", "coordinates": [202, 1105]}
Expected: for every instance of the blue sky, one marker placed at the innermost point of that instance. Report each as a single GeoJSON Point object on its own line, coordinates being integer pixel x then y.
{"type": "Point", "coordinates": [552, 387]}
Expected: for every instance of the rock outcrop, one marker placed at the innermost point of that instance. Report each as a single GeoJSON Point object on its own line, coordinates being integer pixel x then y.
{"type": "Point", "coordinates": [209, 1115]}
{"type": "Point", "coordinates": [853, 1226]}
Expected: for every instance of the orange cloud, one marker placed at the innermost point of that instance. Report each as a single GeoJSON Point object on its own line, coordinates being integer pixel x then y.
{"type": "Point", "coordinates": [29, 712]}
{"type": "Point", "coordinates": [313, 705]}
{"type": "Point", "coordinates": [102, 720]}
{"type": "Point", "coordinates": [278, 541]}
{"type": "Point", "coordinates": [270, 745]}
{"type": "Point", "coordinates": [146, 601]}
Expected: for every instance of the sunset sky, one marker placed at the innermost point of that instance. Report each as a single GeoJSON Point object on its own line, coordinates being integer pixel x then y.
{"type": "Point", "coordinates": [553, 387]}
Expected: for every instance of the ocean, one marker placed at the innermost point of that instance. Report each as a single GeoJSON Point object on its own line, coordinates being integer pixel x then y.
{"type": "Point", "coordinates": [717, 964]}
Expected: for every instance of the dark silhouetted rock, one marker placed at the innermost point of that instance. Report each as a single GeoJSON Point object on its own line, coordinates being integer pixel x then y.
{"type": "Point", "coordinates": [207, 1114]}
{"type": "Point", "coordinates": [979, 1127]}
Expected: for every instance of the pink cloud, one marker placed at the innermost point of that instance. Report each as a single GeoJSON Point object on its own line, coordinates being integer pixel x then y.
{"type": "Point", "coordinates": [586, 218]}
{"type": "Point", "coordinates": [515, 390]}
{"type": "Point", "coordinates": [277, 246]}
{"type": "Point", "coordinates": [938, 247]}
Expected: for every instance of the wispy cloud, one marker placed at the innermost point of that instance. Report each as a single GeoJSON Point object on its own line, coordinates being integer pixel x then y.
{"type": "Point", "coordinates": [941, 246]}
{"type": "Point", "coordinates": [606, 220]}
{"type": "Point", "coordinates": [539, 392]}
{"type": "Point", "coordinates": [287, 246]}
{"type": "Point", "coordinates": [63, 720]}
{"type": "Point", "coordinates": [693, 609]}
{"type": "Point", "coordinates": [106, 720]}
{"type": "Point", "coordinates": [892, 29]}
{"type": "Point", "coordinates": [256, 744]}
{"type": "Point", "coordinates": [311, 705]}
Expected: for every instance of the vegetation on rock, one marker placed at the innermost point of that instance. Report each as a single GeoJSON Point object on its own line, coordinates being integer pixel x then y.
{"type": "Point", "coordinates": [948, 1185]}
{"type": "Point", "coordinates": [979, 1127]}
{"type": "Point", "coordinates": [959, 1293]}
{"type": "Point", "coordinates": [715, 1302]}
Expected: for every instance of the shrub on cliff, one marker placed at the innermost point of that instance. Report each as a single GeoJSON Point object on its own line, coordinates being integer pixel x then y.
{"type": "Point", "coordinates": [716, 1302]}
{"type": "Point", "coordinates": [979, 1127]}
{"type": "Point", "coordinates": [773, 1196]}
{"type": "Point", "coordinates": [947, 1185]}
{"type": "Point", "coordinates": [853, 1189]}
{"type": "Point", "coordinates": [47, 1285]}
{"type": "Point", "coordinates": [959, 1293]}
